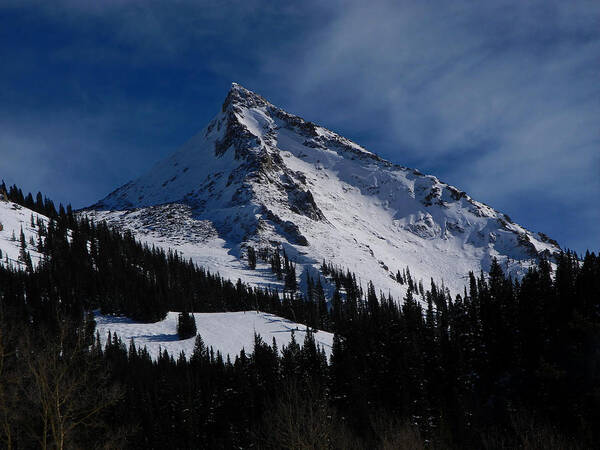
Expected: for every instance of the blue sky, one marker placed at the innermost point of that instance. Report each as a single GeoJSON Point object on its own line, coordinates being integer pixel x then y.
{"type": "Point", "coordinates": [500, 98]}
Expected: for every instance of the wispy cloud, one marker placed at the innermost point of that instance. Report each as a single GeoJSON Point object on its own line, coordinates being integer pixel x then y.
{"type": "Point", "coordinates": [501, 98]}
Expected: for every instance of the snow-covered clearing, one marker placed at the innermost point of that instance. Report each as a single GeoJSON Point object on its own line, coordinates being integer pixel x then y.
{"type": "Point", "coordinates": [227, 332]}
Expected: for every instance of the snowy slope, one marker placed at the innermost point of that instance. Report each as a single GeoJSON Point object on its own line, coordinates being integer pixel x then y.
{"type": "Point", "coordinates": [13, 218]}
{"type": "Point", "coordinates": [257, 175]}
{"type": "Point", "coordinates": [226, 332]}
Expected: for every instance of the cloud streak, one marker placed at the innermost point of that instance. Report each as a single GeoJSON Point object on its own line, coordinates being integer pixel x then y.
{"type": "Point", "coordinates": [499, 98]}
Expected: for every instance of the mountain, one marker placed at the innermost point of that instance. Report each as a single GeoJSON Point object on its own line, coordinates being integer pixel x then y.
{"type": "Point", "coordinates": [259, 176]}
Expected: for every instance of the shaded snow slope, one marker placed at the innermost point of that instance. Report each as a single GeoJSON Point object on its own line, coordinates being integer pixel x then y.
{"type": "Point", "coordinates": [13, 218]}
{"type": "Point", "coordinates": [226, 332]}
{"type": "Point", "coordinates": [257, 175]}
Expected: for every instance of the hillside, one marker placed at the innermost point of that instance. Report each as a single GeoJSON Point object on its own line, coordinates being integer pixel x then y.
{"type": "Point", "coordinates": [259, 176]}
{"type": "Point", "coordinates": [13, 219]}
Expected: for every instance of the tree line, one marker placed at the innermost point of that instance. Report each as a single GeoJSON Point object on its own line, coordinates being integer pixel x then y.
{"type": "Point", "coordinates": [506, 364]}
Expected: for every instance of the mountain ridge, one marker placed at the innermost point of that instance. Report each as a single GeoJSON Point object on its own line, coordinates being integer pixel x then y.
{"type": "Point", "coordinates": [258, 175]}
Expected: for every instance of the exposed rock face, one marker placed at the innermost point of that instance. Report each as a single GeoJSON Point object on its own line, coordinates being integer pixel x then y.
{"type": "Point", "coordinates": [257, 175]}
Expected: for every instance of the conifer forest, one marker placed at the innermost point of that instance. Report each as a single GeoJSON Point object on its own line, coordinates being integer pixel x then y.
{"type": "Point", "coordinates": [506, 364]}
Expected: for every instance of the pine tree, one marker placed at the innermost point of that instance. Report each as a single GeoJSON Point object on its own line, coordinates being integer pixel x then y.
{"type": "Point", "coordinates": [399, 278]}
{"type": "Point", "coordinates": [28, 262]}
{"type": "Point", "coordinates": [200, 353]}
{"type": "Point", "coordinates": [186, 325]}
{"type": "Point", "coordinates": [251, 258]}
{"type": "Point", "coordinates": [290, 277]}
{"type": "Point", "coordinates": [23, 248]}
{"type": "Point", "coordinates": [276, 264]}
{"type": "Point", "coordinates": [39, 202]}
{"type": "Point", "coordinates": [372, 302]}
{"type": "Point", "coordinates": [321, 304]}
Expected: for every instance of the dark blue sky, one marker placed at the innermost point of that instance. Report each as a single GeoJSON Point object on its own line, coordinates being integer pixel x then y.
{"type": "Point", "coordinates": [501, 99]}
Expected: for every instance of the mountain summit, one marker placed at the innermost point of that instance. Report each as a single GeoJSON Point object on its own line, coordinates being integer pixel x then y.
{"type": "Point", "coordinates": [259, 176]}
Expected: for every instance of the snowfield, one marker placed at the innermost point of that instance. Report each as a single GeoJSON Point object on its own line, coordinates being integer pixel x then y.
{"type": "Point", "coordinates": [13, 218]}
{"type": "Point", "coordinates": [227, 332]}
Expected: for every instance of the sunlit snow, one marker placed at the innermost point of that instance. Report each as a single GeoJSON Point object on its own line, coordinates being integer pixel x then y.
{"type": "Point", "coordinates": [227, 332]}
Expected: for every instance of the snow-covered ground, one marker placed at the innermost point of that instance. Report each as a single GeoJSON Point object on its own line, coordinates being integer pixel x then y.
{"type": "Point", "coordinates": [227, 332]}
{"type": "Point", "coordinates": [13, 218]}
{"type": "Point", "coordinates": [175, 227]}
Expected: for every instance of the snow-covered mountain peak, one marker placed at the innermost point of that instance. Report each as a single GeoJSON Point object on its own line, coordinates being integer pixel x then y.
{"type": "Point", "coordinates": [238, 95]}
{"type": "Point", "coordinates": [248, 114]}
{"type": "Point", "coordinates": [258, 175]}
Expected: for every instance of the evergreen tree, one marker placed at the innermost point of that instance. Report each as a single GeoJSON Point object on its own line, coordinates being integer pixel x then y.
{"type": "Point", "coordinates": [251, 258]}
{"type": "Point", "coordinates": [186, 325]}
{"type": "Point", "coordinates": [276, 264]}
{"type": "Point", "coordinates": [290, 276]}
{"type": "Point", "coordinates": [22, 247]}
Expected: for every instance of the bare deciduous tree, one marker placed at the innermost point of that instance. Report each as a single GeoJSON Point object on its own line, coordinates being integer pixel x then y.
{"type": "Point", "coordinates": [56, 392]}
